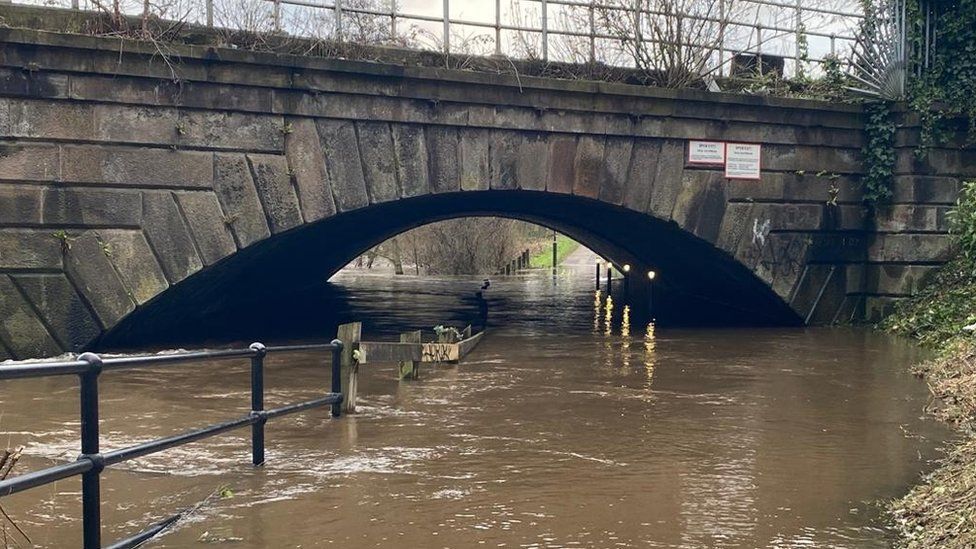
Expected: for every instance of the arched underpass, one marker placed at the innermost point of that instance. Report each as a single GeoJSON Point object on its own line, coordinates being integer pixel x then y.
{"type": "Point", "coordinates": [698, 284]}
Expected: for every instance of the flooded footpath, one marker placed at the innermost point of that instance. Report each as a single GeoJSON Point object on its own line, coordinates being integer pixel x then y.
{"type": "Point", "coordinates": [562, 429]}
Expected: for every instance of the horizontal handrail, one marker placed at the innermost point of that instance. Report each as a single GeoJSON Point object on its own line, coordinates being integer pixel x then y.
{"type": "Point", "coordinates": [92, 461]}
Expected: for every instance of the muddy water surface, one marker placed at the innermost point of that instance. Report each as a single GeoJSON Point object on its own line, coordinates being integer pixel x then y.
{"type": "Point", "coordinates": [562, 429]}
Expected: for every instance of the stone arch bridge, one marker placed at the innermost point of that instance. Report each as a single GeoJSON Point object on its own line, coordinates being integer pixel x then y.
{"type": "Point", "coordinates": [131, 202]}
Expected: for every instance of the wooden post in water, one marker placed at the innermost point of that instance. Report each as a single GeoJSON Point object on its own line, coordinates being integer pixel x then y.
{"type": "Point", "coordinates": [409, 369]}
{"type": "Point", "coordinates": [350, 335]}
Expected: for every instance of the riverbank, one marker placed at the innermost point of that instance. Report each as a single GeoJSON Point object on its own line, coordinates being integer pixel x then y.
{"type": "Point", "coordinates": [941, 510]}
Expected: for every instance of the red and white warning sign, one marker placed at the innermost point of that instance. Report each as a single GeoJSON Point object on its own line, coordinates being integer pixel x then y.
{"type": "Point", "coordinates": [706, 152]}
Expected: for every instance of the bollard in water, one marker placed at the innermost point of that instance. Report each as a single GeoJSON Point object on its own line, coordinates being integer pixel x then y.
{"type": "Point", "coordinates": [336, 375]}
{"type": "Point", "coordinates": [598, 276]}
{"type": "Point", "coordinates": [257, 402]}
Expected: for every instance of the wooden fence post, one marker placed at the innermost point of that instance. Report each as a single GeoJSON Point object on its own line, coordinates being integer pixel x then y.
{"type": "Point", "coordinates": [350, 335]}
{"type": "Point", "coordinates": [409, 369]}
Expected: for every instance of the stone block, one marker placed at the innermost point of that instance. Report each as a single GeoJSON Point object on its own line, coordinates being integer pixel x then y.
{"type": "Point", "coordinates": [410, 148]}
{"type": "Point", "coordinates": [640, 178]}
{"type": "Point", "coordinates": [20, 328]}
{"type": "Point", "coordinates": [341, 148]}
{"type": "Point", "coordinates": [904, 247]}
{"type": "Point", "coordinates": [212, 235]}
{"type": "Point", "coordinates": [475, 171]}
{"type": "Point", "coordinates": [920, 189]}
{"type": "Point", "coordinates": [616, 160]}
{"type": "Point", "coordinates": [41, 119]}
{"type": "Point", "coordinates": [20, 204]}
{"type": "Point", "coordinates": [562, 164]}
{"type": "Point", "coordinates": [504, 156]}
{"type": "Point", "coordinates": [169, 236]}
{"type": "Point", "coordinates": [29, 162]}
{"type": "Point", "coordinates": [667, 179]}
{"type": "Point", "coordinates": [232, 130]}
{"type": "Point", "coordinates": [588, 166]}
{"type": "Point", "coordinates": [239, 200]}
{"type": "Point", "coordinates": [911, 218]}
{"type": "Point", "coordinates": [61, 308]}
{"type": "Point", "coordinates": [134, 124]}
{"type": "Point", "coordinates": [92, 207]}
{"type": "Point", "coordinates": [136, 166]}
{"type": "Point", "coordinates": [443, 144]}
{"type": "Point", "coordinates": [135, 263]}
{"type": "Point", "coordinates": [379, 162]}
{"type": "Point", "coordinates": [307, 163]}
{"type": "Point", "coordinates": [895, 279]}
{"type": "Point", "coordinates": [30, 249]}
{"type": "Point", "coordinates": [700, 204]}
{"type": "Point", "coordinates": [90, 269]}
{"type": "Point", "coordinates": [531, 170]}
{"type": "Point", "coordinates": [273, 183]}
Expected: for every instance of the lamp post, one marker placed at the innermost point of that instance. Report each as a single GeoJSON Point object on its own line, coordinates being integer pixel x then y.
{"type": "Point", "coordinates": [626, 270]}
{"type": "Point", "coordinates": [650, 294]}
{"type": "Point", "coordinates": [598, 276]}
{"type": "Point", "coordinates": [554, 255]}
{"type": "Point", "coordinates": [609, 267]}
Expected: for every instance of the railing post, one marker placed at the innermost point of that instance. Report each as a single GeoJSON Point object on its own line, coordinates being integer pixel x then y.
{"type": "Point", "coordinates": [209, 13]}
{"type": "Point", "coordinates": [350, 334]}
{"type": "Point", "coordinates": [90, 484]}
{"type": "Point", "coordinates": [447, 26]}
{"type": "Point", "coordinates": [338, 20]}
{"type": "Point", "coordinates": [337, 375]}
{"type": "Point", "coordinates": [545, 31]}
{"type": "Point", "coordinates": [498, 27]}
{"type": "Point", "coordinates": [393, 18]}
{"type": "Point", "coordinates": [257, 402]}
{"type": "Point", "coordinates": [759, 49]}
{"type": "Point", "coordinates": [593, 31]}
{"type": "Point", "coordinates": [277, 15]}
{"type": "Point", "coordinates": [798, 70]}
{"type": "Point", "coordinates": [722, 24]}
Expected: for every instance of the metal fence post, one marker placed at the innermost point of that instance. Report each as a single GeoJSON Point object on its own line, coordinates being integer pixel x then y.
{"type": "Point", "coordinates": [498, 27]}
{"type": "Point", "coordinates": [337, 375]}
{"type": "Point", "coordinates": [210, 13]}
{"type": "Point", "coordinates": [722, 23]}
{"type": "Point", "coordinates": [592, 31]}
{"type": "Point", "coordinates": [447, 26]}
{"type": "Point", "coordinates": [545, 31]}
{"type": "Point", "coordinates": [393, 18]}
{"type": "Point", "coordinates": [798, 70]}
{"type": "Point", "coordinates": [257, 402]}
{"type": "Point", "coordinates": [277, 15]}
{"type": "Point", "coordinates": [759, 44]}
{"type": "Point", "coordinates": [338, 19]}
{"type": "Point", "coordinates": [90, 484]}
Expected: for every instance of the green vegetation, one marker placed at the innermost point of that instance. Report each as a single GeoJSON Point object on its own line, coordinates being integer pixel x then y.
{"type": "Point", "coordinates": [941, 510]}
{"type": "Point", "coordinates": [564, 247]}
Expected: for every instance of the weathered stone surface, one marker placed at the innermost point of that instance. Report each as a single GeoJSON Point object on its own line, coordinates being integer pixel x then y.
{"type": "Point", "coordinates": [379, 162]}
{"type": "Point", "coordinates": [341, 149]}
{"type": "Point", "coordinates": [169, 236]}
{"type": "Point", "coordinates": [132, 124]}
{"type": "Point", "coordinates": [531, 170]}
{"type": "Point", "coordinates": [134, 166]}
{"type": "Point", "coordinates": [589, 166]}
{"type": "Point", "coordinates": [562, 164]}
{"type": "Point", "coordinates": [912, 218]}
{"type": "Point", "coordinates": [894, 279]}
{"type": "Point", "coordinates": [443, 145]}
{"type": "Point", "coordinates": [239, 199]}
{"type": "Point", "coordinates": [504, 158]}
{"type": "Point", "coordinates": [640, 180]}
{"type": "Point", "coordinates": [475, 172]}
{"type": "Point", "coordinates": [53, 206]}
{"type": "Point", "coordinates": [90, 269]}
{"type": "Point", "coordinates": [30, 249]}
{"type": "Point", "coordinates": [307, 163]}
{"type": "Point", "coordinates": [271, 179]}
{"type": "Point", "coordinates": [211, 234]}
{"type": "Point", "coordinates": [29, 162]}
{"type": "Point", "coordinates": [736, 224]}
{"type": "Point", "coordinates": [61, 308]}
{"type": "Point", "coordinates": [37, 119]}
{"type": "Point", "coordinates": [667, 176]}
{"type": "Point", "coordinates": [700, 204]}
{"type": "Point", "coordinates": [909, 247]}
{"type": "Point", "coordinates": [21, 330]}
{"type": "Point", "coordinates": [921, 189]}
{"type": "Point", "coordinates": [411, 159]}
{"type": "Point", "coordinates": [135, 263]}
{"type": "Point", "coordinates": [232, 130]}
{"type": "Point", "coordinates": [616, 160]}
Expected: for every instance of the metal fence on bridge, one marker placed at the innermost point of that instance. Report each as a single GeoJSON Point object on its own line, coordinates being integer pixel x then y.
{"type": "Point", "coordinates": [92, 460]}
{"type": "Point", "coordinates": [577, 31]}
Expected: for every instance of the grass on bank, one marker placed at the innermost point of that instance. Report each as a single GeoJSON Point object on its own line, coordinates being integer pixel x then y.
{"type": "Point", "coordinates": [564, 247]}
{"type": "Point", "coordinates": [941, 510]}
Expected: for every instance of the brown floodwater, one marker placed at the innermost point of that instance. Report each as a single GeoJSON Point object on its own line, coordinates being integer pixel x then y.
{"type": "Point", "coordinates": [562, 429]}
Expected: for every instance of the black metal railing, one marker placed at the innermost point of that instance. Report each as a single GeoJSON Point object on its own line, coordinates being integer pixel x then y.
{"type": "Point", "coordinates": [92, 461]}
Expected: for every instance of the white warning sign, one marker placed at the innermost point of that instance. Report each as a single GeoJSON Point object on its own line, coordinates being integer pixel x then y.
{"type": "Point", "coordinates": [706, 152]}
{"type": "Point", "coordinates": [743, 161]}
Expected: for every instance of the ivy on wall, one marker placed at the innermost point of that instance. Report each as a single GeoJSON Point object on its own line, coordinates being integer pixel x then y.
{"type": "Point", "coordinates": [878, 151]}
